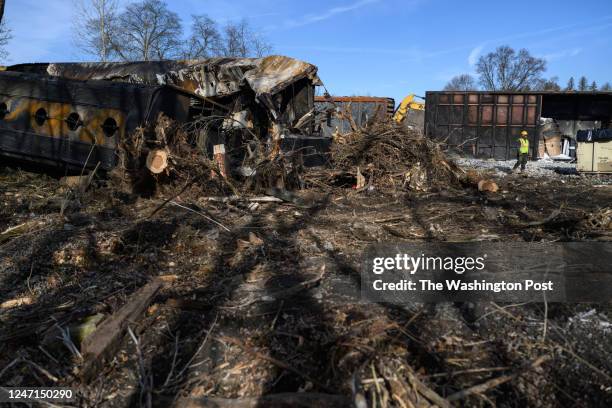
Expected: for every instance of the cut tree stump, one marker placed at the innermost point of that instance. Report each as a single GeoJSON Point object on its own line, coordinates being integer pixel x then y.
{"type": "Point", "coordinates": [488, 186]}
{"type": "Point", "coordinates": [102, 344]}
{"type": "Point", "coordinates": [157, 160]}
{"type": "Point", "coordinates": [221, 160]}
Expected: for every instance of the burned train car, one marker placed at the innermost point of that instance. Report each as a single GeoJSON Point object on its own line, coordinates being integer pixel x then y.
{"type": "Point", "coordinates": [55, 121]}
{"type": "Point", "coordinates": [77, 114]}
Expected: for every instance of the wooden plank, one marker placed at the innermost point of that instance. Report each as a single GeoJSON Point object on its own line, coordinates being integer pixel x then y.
{"type": "Point", "coordinates": [102, 344]}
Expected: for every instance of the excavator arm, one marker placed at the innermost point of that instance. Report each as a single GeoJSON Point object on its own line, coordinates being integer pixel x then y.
{"type": "Point", "coordinates": [408, 103]}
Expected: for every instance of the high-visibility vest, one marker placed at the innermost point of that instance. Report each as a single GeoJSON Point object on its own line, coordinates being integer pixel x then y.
{"type": "Point", "coordinates": [524, 145]}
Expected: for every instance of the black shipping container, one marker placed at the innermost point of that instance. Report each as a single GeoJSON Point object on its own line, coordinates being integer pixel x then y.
{"type": "Point", "coordinates": [483, 124]}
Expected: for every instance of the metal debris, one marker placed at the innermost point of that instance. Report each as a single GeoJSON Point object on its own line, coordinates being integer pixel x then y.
{"type": "Point", "coordinates": [72, 115]}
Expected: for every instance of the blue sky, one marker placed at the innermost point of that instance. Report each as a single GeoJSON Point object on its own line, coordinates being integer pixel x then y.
{"type": "Point", "coordinates": [373, 47]}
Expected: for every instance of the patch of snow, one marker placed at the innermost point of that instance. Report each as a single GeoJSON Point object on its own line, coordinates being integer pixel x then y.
{"type": "Point", "coordinates": [539, 168]}
{"type": "Point", "coordinates": [562, 157]}
{"type": "Point", "coordinates": [592, 319]}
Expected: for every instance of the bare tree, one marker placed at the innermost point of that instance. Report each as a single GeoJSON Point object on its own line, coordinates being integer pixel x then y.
{"type": "Point", "coordinates": [570, 85]}
{"type": "Point", "coordinates": [205, 40]}
{"type": "Point", "coordinates": [147, 31]}
{"type": "Point", "coordinates": [95, 27]}
{"type": "Point", "coordinates": [235, 41]}
{"type": "Point", "coordinates": [5, 37]}
{"type": "Point", "coordinates": [583, 84]}
{"type": "Point", "coordinates": [551, 84]}
{"type": "Point", "coordinates": [506, 70]}
{"type": "Point", "coordinates": [260, 46]}
{"type": "Point", "coordinates": [5, 33]}
{"type": "Point", "coordinates": [463, 82]}
{"type": "Point", "coordinates": [240, 40]}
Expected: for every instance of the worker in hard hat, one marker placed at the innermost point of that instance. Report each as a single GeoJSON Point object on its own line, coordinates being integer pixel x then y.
{"type": "Point", "coordinates": [523, 152]}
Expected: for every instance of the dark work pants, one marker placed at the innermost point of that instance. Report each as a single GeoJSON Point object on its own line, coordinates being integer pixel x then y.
{"type": "Point", "coordinates": [522, 160]}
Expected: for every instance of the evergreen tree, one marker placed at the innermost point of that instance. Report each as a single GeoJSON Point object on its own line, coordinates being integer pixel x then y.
{"type": "Point", "coordinates": [583, 84]}
{"type": "Point", "coordinates": [570, 85]}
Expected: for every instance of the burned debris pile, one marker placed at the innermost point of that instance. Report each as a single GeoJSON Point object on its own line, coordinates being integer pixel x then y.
{"type": "Point", "coordinates": [381, 156]}
{"type": "Point", "coordinates": [392, 156]}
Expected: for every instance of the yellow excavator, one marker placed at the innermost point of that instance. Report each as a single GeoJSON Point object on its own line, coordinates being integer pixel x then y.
{"type": "Point", "coordinates": [408, 103]}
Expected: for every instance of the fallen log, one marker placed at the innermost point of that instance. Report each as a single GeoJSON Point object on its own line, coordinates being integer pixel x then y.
{"type": "Point", "coordinates": [102, 344]}
{"type": "Point", "coordinates": [284, 400]}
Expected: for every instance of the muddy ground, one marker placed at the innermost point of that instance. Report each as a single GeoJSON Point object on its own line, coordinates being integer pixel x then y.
{"type": "Point", "coordinates": [236, 322]}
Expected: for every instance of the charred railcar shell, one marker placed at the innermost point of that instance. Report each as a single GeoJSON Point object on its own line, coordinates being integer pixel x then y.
{"type": "Point", "coordinates": [77, 114]}
{"type": "Point", "coordinates": [76, 123]}
{"type": "Point", "coordinates": [214, 78]}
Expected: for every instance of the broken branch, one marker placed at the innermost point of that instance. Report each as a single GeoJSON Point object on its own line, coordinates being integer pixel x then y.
{"type": "Point", "coordinates": [487, 385]}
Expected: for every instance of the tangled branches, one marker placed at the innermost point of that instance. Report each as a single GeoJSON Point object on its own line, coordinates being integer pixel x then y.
{"type": "Point", "coordinates": [392, 156]}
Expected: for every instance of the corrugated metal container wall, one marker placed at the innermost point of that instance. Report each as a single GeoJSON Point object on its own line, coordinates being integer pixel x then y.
{"type": "Point", "coordinates": [484, 124]}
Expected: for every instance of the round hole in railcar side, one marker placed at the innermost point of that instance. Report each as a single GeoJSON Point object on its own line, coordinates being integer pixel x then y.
{"type": "Point", "coordinates": [74, 121]}
{"type": "Point", "coordinates": [40, 117]}
{"type": "Point", "coordinates": [109, 127]}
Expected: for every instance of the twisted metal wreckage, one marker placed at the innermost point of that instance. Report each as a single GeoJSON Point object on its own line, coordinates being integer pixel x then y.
{"type": "Point", "coordinates": [77, 114]}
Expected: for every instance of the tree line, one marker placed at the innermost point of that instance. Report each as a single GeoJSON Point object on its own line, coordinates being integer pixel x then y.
{"type": "Point", "coordinates": [584, 85]}
{"type": "Point", "coordinates": [148, 30]}
{"type": "Point", "coordinates": [505, 69]}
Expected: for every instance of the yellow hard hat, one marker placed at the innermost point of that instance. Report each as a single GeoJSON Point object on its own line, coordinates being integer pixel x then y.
{"type": "Point", "coordinates": [524, 133]}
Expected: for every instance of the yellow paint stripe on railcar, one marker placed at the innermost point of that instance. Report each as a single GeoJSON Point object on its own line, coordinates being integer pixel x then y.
{"type": "Point", "coordinates": [93, 121]}
{"type": "Point", "coordinates": [56, 126]}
